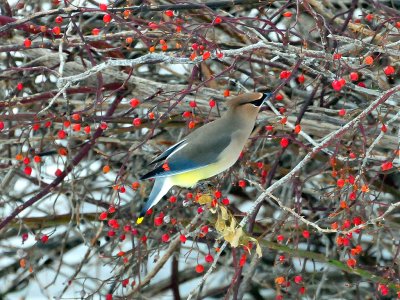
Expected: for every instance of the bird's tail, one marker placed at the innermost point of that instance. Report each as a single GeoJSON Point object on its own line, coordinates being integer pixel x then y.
{"type": "Point", "coordinates": [160, 188]}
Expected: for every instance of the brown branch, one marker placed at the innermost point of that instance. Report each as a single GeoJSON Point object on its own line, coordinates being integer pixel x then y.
{"type": "Point", "coordinates": [75, 161]}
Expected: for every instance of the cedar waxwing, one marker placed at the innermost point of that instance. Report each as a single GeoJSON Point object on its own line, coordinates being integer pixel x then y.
{"type": "Point", "coordinates": [207, 151]}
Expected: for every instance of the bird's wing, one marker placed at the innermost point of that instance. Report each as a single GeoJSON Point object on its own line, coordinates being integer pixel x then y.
{"type": "Point", "coordinates": [166, 153]}
{"type": "Point", "coordinates": [193, 153]}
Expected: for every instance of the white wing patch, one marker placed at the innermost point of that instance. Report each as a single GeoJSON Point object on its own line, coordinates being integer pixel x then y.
{"type": "Point", "coordinates": [177, 149]}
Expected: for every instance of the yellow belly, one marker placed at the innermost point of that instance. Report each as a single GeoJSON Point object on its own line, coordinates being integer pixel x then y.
{"type": "Point", "coordinates": [189, 179]}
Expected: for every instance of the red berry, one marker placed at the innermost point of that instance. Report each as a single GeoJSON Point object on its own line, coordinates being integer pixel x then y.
{"type": "Point", "coordinates": [187, 114]}
{"type": "Point", "coordinates": [111, 209]}
{"type": "Point", "coordinates": [387, 166]}
{"type": "Point", "coordinates": [95, 31]}
{"type": "Point", "coordinates": [389, 70]}
{"type": "Point", "coordinates": [336, 85]}
{"type": "Point", "coordinates": [24, 237]}
{"type": "Point", "coordinates": [153, 25]}
{"type": "Point", "coordinates": [301, 79]}
{"type": "Point", "coordinates": [279, 97]}
{"type": "Point", "coordinates": [107, 18]}
{"type": "Point", "coordinates": [225, 201]}
{"type": "Point", "coordinates": [285, 74]}
{"type": "Point", "coordinates": [383, 289]}
{"type": "Point", "coordinates": [165, 238]}
{"type": "Point", "coordinates": [298, 279]}
{"type": "Point", "coordinates": [59, 20]}
{"type": "Point", "coordinates": [354, 76]}
{"type": "Point", "coordinates": [134, 102]}
{"type": "Point", "coordinates": [351, 262]}
{"type": "Point", "coordinates": [383, 128]}
{"type": "Point", "coordinates": [269, 128]}
{"type": "Point", "coordinates": [211, 103]}
{"type": "Point", "coordinates": [369, 17]}
{"type": "Point", "coordinates": [76, 127]}
{"type": "Point", "coordinates": [27, 43]}
{"type": "Point", "coordinates": [217, 20]}
{"type": "Point", "coordinates": [287, 14]}
{"type": "Point", "coordinates": [76, 117]}
{"type": "Point", "coordinates": [192, 104]}
{"type": "Point", "coordinates": [361, 84]}
{"type": "Point", "coordinates": [340, 182]}
{"type": "Point", "coordinates": [369, 60]}
{"type": "Point", "coordinates": [137, 121]}
{"type": "Point", "coordinates": [44, 238]}
{"type": "Point", "coordinates": [28, 170]}
{"type": "Point", "coordinates": [172, 199]}
{"type": "Point", "coordinates": [37, 159]}
{"type": "Point", "coordinates": [183, 238]}
{"type": "Point", "coordinates": [195, 46]}
{"type": "Point", "coordinates": [342, 112]}
{"type": "Point", "coordinates": [158, 221]}
{"type": "Point", "coordinates": [56, 30]}
{"type": "Point", "coordinates": [103, 125]}
{"type": "Point", "coordinates": [199, 268]}
{"type": "Point", "coordinates": [103, 216]}
{"type": "Point", "coordinates": [109, 297]}
{"type": "Point", "coordinates": [192, 124]}
{"type": "Point", "coordinates": [280, 238]}
{"type": "Point", "coordinates": [242, 260]}
{"type": "Point", "coordinates": [284, 142]}
{"type": "Point", "coordinates": [87, 129]}
{"type": "Point", "coordinates": [58, 172]}
{"type": "Point", "coordinates": [306, 234]}
{"type": "Point", "coordinates": [242, 183]}
{"type": "Point", "coordinates": [209, 258]}
{"type": "Point", "coordinates": [61, 134]}
{"type": "Point", "coordinates": [20, 86]}
{"type": "Point", "coordinates": [103, 7]}
{"type": "Point", "coordinates": [169, 13]}
{"type": "Point", "coordinates": [206, 55]}
{"type": "Point", "coordinates": [1, 125]}
{"type": "Point", "coordinates": [297, 129]}
{"type": "Point", "coordinates": [337, 56]}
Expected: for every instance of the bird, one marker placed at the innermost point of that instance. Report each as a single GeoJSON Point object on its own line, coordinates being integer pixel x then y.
{"type": "Point", "coordinates": [207, 151]}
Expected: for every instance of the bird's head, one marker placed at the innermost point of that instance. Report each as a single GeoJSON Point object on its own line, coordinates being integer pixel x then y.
{"type": "Point", "coordinates": [248, 103]}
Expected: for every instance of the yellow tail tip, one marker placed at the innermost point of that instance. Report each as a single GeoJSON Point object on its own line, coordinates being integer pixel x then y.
{"type": "Point", "coordinates": [139, 220]}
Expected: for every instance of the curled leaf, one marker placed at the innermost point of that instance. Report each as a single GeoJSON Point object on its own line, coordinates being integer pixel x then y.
{"type": "Point", "coordinates": [236, 238]}
{"type": "Point", "coordinates": [204, 199]}
{"type": "Point", "coordinates": [224, 213]}
{"type": "Point", "coordinates": [220, 224]}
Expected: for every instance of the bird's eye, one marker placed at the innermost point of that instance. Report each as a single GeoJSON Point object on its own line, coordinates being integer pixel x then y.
{"type": "Point", "coordinates": [258, 102]}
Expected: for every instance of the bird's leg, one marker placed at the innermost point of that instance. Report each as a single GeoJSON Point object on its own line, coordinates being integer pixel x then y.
{"type": "Point", "coordinates": [205, 187]}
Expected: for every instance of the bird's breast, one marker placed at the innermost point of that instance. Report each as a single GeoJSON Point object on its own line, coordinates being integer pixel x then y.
{"type": "Point", "coordinates": [190, 178]}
